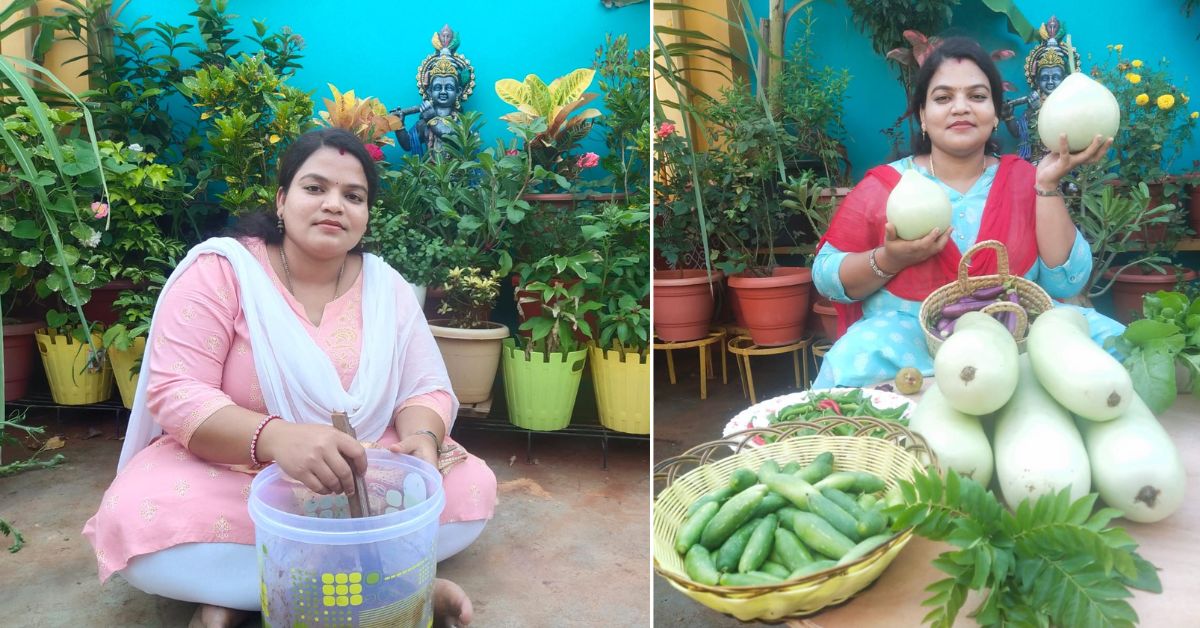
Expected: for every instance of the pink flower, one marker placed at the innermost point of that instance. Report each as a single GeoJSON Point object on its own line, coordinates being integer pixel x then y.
{"type": "Point", "coordinates": [665, 130]}
{"type": "Point", "coordinates": [100, 210]}
{"type": "Point", "coordinates": [374, 151]}
{"type": "Point", "coordinates": [512, 151]}
{"type": "Point", "coordinates": [587, 160]}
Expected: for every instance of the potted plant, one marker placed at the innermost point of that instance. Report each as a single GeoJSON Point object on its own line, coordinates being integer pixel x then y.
{"type": "Point", "coordinates": [619, 281]}
{"type": "Point", "coordinates": [542, 372]}
{"type": "Point", "coordinates": [625, 85]}
{"type": "Point", "coordinates": [469, 342]}
{"type": "Point", "coordinates": [125, 340]}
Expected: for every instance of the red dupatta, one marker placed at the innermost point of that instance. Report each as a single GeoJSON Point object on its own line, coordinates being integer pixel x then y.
{"type": "Point", "coordinates": [1009, 215]}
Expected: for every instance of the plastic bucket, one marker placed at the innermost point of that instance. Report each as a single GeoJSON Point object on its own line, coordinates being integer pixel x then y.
{"type": "Point", "coordinates": [541, 393]}
{"type": "Point", "coordinates": [318, 567]}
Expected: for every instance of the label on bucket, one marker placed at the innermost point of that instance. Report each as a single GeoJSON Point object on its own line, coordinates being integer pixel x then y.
{"type": "Point", "coordinates": [301, 598]}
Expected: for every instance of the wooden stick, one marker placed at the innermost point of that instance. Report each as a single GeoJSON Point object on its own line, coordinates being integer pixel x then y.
{"type": "Point", "coordinates": [359, 504]}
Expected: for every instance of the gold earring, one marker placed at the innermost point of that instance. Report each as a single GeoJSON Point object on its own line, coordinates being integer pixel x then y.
{"type": "Point", "coordinates": [996, 127]}
{"type": "Point", "coordinates": [923, 137]}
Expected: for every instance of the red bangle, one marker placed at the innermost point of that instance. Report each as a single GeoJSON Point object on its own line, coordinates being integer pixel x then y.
{"type": "Point", "coordinates": [254, 461]}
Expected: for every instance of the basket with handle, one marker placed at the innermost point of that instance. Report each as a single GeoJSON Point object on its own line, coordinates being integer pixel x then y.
{"type": "Point", "coordinates": [884, 448]}
{"type": "Point", "coordinates": [1032, 298]}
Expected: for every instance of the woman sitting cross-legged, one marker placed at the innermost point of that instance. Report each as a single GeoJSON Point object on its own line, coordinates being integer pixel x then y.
{"type": "Point", "coordinates": [256, 340]}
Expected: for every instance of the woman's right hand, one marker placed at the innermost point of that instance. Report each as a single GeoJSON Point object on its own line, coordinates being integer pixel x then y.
{"type": "Point", "coordinates": [901, 254]}
{"type": "Point", "coordinates": [319, 456]}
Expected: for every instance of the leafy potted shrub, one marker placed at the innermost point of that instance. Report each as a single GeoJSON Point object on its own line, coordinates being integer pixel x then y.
{"type": "Point", "coordinates": [125, 340]}
{"type": "Point", "coordinates": [619, 281]}
{"type": "Point", "coordinates": [470, 344]}
{"type": "Point", "coordinates": [625, 85]}
{"type": "Point", "coordinates": [542, 372]}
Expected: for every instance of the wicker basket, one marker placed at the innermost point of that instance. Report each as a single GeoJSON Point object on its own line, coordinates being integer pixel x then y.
{"type": "Point", "coordinates": [1033, 299]}
{"type": "Point", "coordinates": [684, 478]}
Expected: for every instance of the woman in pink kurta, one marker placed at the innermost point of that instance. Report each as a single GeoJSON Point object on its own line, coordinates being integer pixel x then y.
{"type": "Point", "coordinates": [200, 362]}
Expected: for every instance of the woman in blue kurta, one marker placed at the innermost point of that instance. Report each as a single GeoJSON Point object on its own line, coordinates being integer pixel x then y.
{"type": "Point", "coordinates": [877, 280]}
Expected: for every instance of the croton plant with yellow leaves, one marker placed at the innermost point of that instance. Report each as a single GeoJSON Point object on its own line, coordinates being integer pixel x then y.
{"type": "Point", "coordinates": [366, 118]}
{"type": "Point", "coordinates": [1157, 115]}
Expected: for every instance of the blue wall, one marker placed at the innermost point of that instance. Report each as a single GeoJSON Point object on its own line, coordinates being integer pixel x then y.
{"type": "Point", "coordinates": [875, 98]}
{"type": "Point", "coordinates": [375, 46]}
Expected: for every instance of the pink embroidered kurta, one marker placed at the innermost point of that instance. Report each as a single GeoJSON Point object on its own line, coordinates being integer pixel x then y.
{"type": "Point", "coordinates": [201, 361]}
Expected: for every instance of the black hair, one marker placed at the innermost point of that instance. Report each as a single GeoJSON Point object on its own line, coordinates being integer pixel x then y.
{"type": "Point", "coordinates": [962, 48]}
{"type": "Point", "coordinates": [264, 224]}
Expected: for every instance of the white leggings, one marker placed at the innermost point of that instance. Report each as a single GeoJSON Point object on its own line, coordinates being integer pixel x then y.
{"type": "Point", "coordinates": [226, 574]}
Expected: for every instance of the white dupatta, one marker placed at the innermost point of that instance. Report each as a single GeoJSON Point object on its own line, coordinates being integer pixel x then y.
{"type": "Point", "coordinates": [399, 357]}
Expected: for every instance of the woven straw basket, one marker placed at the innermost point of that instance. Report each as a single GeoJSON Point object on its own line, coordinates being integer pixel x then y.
{"type": "Point", "coordinates": [1033, 299]}
{"type": "Point", "coordinates": [684, 478]}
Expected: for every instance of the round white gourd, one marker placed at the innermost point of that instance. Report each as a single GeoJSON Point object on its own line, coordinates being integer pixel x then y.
{"type": "Point", "coordinates": [917, 206]}
{"type": "Point", "coordinates": [1038, 448]}
{"type": "Point", "coordinates": [976, 367]}
{"type": "Point", "coordinates": [957, 438]}
{"type": "Point", "coordinates": [1136, 467]}
{"type": "Point", "coordinates": [1080, 107]}
{"type": "Point", "coordinates": [1074, 369]}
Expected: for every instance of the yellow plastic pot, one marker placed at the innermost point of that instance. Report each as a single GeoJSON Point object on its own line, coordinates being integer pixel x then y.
{"type": "Point", "coordinates": [541, 391]}
{"type": "Point", "coordinates": [123, 370]}
{"type": "Point", "coordinates": [622, 390]}
{"type": "Point", "coordinates": [66, 361]}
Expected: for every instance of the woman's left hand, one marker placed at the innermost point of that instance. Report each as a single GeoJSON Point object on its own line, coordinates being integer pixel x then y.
{"type": "Point", "coordinates": [1055, 165]}
{"type": "Point", "coordinates": [419, 445]}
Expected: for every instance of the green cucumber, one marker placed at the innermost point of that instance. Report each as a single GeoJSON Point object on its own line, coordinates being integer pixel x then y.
{"type": "Point", "coordinates": [775, 569]}
{"type": "Point", "coordinates": [769, 504]}
{"type": "Point", "coordinates": [689, 532]}
{"type": "Point", "coordinates": [767, 469]}
{"type": "Point", "coordinates": [812, 568]}
{"type": "Point", "coordinates": [791, 467]}
{"type": "Point", "coordinates": [817, 534]}
{"type": "Point", "coordinates": [841, 520]}
{"type": "Point", "coordinates": [868, 522]}
{"type": "Point", "coordinates": [718, 495]}
{"type": "Point", "coordinates": [867, 500]}
{"type": "Point", "coordinates": [733, 513]}
{"type": "Point", "coordinates": [785, 516]}
{"type": "Point", "coordinates": [752, 579]}
{"type": "Point", "coordinates": [759, 545]}
{"type": "Point", "coordinates": [793, 488]}
{"type": "Point", "coordinates": [790, 550]}
{"type": "Point", "coordinates": [856, 481]}
{"type": "Point", "coordinates": [731, 550]}
{"type": "Point", "coordinates": [816, 470]}
{"type": "Point", "coordinates": [863, 548]}
{"type": "Point", "coordinates": [699, 566]}
{"type": "Point", "coordinates": [742, 479]}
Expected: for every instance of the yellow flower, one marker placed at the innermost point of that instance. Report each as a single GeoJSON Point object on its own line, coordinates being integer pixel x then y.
{"type": "Point", "coordinates": [1195, 114]}
{"type": "Point", "coordinates": [1184, 98]}
{"type": "Point", "coordinates": [1142, 99]}
{"type": "Point", "coordinates": [1166, 101]}
{"type": "Point", "coordinates": [1133, 78]}
{"type": "Point", "coordinates": [1118, 47]}
{"type": "Point", "coordinates": [1137, 63]}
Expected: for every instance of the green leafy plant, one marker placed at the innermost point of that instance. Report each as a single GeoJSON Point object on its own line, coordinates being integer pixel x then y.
{"type": "Point", "coordinates": [563, 310]}
{"type": "Point", "coordinates": [551, 116]}
{"type": "Point", "coordinates": [625, 84]}
{"type": "Point", "coordinates": [619, 276]}
{"type": "Point", "coordinates": [470, 295]}
{"type": "Point", "coordinates": [253, 110]}
{"type": "Point", "coordinates": [1169, 334]}
{"type": "Point", "coordinates": [1052, 562]}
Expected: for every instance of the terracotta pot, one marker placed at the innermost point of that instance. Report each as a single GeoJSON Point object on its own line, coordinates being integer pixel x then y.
{"type": "Point", "coordinates": [472, 357]}
{"type": "Point", "coordinates": [1134, 283]}
{"type": "Point", "coordinates": [100, 307]}
{"type": "Point", "coordinates": [607, 197]}
{"type": "Point", "coordinates": [827, 318]}
{"type": "Point", "coordinates": [563, 200]}
{"type": "Point", "coordinates": [683, 303]}
{"type": "Point", "coordinates": [19, 350]}
{"type": "Point", "coordinates": [528, 306]}
{"type": "Point", "coordinates": [775, 307]}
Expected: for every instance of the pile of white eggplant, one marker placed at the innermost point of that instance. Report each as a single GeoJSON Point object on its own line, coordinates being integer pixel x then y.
{"type": "Point", "coordinates": [1064, 414]}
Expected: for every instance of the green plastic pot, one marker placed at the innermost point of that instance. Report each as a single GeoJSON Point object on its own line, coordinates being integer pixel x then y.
{"type": "Point", "coordinates": [540, 391]}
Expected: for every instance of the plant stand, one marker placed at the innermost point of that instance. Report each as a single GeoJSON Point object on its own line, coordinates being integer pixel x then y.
{"type": "Point", "coordinates": [743, 347]}
{"type": "Point", "coordinates": [716, 336]}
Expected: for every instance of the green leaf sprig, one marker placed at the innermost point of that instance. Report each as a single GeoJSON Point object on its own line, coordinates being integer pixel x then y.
{"type": "Point", "coordinates": [1052, 562]}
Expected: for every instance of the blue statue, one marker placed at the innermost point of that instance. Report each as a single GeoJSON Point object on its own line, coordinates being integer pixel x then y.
{"type": "Point", "coordinates": [1045, 68]}
{"type": "Point", "coordinates": [444, 79]}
